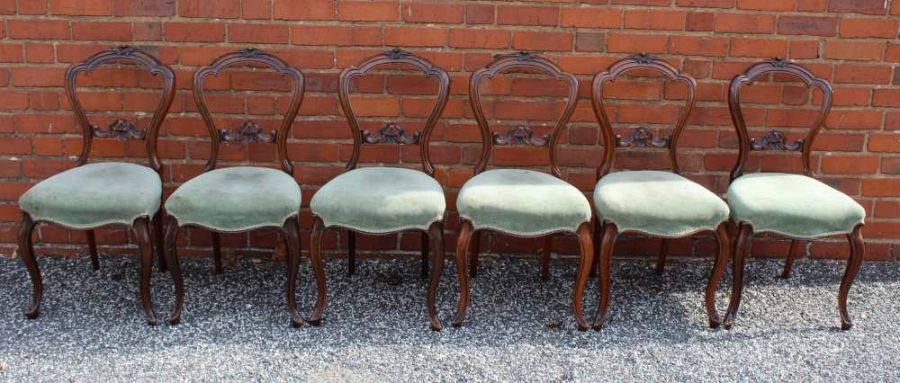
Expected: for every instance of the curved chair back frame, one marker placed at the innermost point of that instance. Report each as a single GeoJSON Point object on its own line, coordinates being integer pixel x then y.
{"type": "Point", "coordinates": [391, 132]}
{"type": "Point", "coordinates": [122, 129]}
{"type": "Point", "coordinates": [775, 140]}
{"type": "Point", "coordinates": [250, 131]}
{"type": "Point", "coordinates": [520, 135]}
{"type": "Point", "coordinates": [640, 137]}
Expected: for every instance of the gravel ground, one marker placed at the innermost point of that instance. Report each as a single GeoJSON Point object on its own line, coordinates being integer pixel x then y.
{"type": "Point", "coordinates": [235, 326]}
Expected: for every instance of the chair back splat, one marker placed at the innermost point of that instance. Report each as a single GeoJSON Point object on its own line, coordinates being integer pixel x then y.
{"type": "Point", "coordinates": [120, 128]}
{"type": "Point", "coordinates": [392, 132]}
{"type": "Point", "coordinates": [250, 131]}
{"type": "Point", "coordinates": [774, 139]}
{"type": "Point", "coordinates": [520, 135]}
{"type": "Point", "coordinates": [640, 137]}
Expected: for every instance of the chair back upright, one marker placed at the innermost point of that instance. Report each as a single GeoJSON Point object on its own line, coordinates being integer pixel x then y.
{"type": "Point", "coordinates": [122, 129]}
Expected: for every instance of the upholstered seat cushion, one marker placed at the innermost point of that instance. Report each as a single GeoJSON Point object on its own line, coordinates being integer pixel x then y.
{"type": "Point", "coordinates": [380, 200]}
{"type": "Point", "coordinates": [95, 194]}
{"type": "Point", "coordinates": [522, 202]}
{"type": "Point", "coordinates": [660, 203]}
{"type": "Point", "coordinates": [793, 205]}
{"type": "Point", "coordinates": [236, 199]}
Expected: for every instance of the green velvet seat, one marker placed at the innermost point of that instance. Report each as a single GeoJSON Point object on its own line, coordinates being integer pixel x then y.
{"type": "Point", "coordinates": [380, 200]}
{"type": "Point", "coordinates": [236, 199]}
{"type": "Point", "coordinates": [659, 203]}
{"type": "Point", "coordinates": [793, 205]}
{"type": "Point", "coordinates": [95, 194]}
{"type": "Point", "coordinates": [522, 202]}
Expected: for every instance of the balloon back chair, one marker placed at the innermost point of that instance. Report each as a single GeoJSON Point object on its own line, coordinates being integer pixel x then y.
{"type": "Point", "coordinates": [94, 195]}
{"type": "Point", "coordinates": [240, 198]}
{"type": "Point", "coordinates": [796, 206]}
{"type": "Point", "coordinates": [520, 202]}
{"type": "Point", "coordinates": [657, 203]}
{"type": "Point", "coordinates": [383, 200]}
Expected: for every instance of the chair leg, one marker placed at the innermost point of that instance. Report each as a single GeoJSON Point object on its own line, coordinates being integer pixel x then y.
{"type": "Point", "coordinates": [217, 253]}
{"type": "Point", "coordinates": [351, 252]}
{"type": "Point", "coordinates": [741, 248]}
{"type": "Point", "coordinates": [436, 234]}
{"type": "Point", "coordinates": [607, 244]}
{"type": "Point", "coordinates": [462, 246]}
{"type": "Point", "coordinates": [661, 258]}
{"type": "Point", "coordinates": [586, 242]}
{"type": "Point", "coordinates": [171, 253]}
{"type": "Point", "coordinates": [145, 245]}
{"type": "Point", "coordinates": [92, 248]}
{"type": "Point", "coordinates": [857, 253]}
{"type": "Point", "coordinates": [315, 257]}
{"type": "Point", "coordinates": [724, 242]}
{"type": "Point", "coordinates": [473, 254]}
{"type": "Point", "coordinates": [158, 245]}
{"type": "Point", "coordinates": [26, 252]}
{"type": "Point", "coordinates": [291, 236]}
{"type": "Point", "coordinates": [792, 254]}
{"type": "Point", "coordinates": [598, 232]}
{"type": "Point", "coordinates": [425, 244]}
{"type": "Point", "coordinates": [545, 257]}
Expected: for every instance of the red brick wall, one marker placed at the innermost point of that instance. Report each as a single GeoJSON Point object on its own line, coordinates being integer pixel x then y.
{"type": "Point", "coordinates": [853, 43]}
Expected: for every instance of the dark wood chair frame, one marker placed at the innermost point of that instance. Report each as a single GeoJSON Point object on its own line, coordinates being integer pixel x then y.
{"type": "Point", "coordinates": [147, 230]}
{"type": "Point", "coordinates": [248, 132]}
{"type": "Point", "coordinates": [520, 135]}
{"type": "Point", "coordinates": [606, 232]}
{"type": "Point", "coordinates": [390, 133]}
{"type": "Point", "coordinates": [776, 141]}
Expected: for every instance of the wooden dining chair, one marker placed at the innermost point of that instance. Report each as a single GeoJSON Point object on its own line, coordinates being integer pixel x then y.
{"type": "Point", "coordinates": [94, 195]}
{"type": "Point", "coordinates": [796, 206]}
{"type": "Point", "coordinates": [656, 203]}
{"type": "Point", "coordinates": [520, 202]}
{"type": "Point", "coordinates": [240, 198]}
{"type": "Point", "coordinates": [385, 199]}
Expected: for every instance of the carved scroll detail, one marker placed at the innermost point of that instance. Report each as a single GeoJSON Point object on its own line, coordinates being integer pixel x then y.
{"type": "Point", "coordinates": [397, 54]}
{"type": "Point", "coordinates": [642, 138]}
{"type": "Point", "coordinates": [119, 129]}
{"type": "Point", "coordinates": [520, 135]}
{"type": "Point", "coordinates": [247, 132]}
{"type": "Point", "coordinates": [390, 133]}
{"type": "Point", "coordinates": [643, 58]}
{"type": "Point", "coordinates": [775, 140]}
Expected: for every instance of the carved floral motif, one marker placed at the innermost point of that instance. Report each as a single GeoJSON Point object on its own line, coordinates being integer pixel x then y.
{"type": "Point", "coordinates": [519, 135]}
{"type": "Point", "coordinates": [119, 129]}
{"type": "Point", "coordinates": [775, 140]}
{"type": "Point", "coordinates": [642, 138]}
{"type": "Point", "coordinates": [248, 132]}
{"type": "Point", "coordinates": [390, 133]}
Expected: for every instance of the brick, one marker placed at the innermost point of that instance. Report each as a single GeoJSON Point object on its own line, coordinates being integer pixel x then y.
{"type": "Point", "coordinates": [433, 13]}
{"type": "Point", "coordinates": [631, 43]}
{"type": "Point", "coordinates": [256, 9]}
{"type": "Point", "coordinates": [872, 7]}
{"type": "Point", "coordinates": [517, 15]}
{"type": "Point", "coordinates": [101, 31]}
{"type": "Point", "coordinates": [368, 10]}
{"type": "Point", "coordinates": [543, 41]}
{"type": "Point", "coordinates": [854, 50]}
{"type": "Point", "coordinates": [303, 9]}
{"type": "Point", "coordinates": [38, 29]}
{"type": "Point", "coordinates": [807, 25]}
{"type": "Point", "coordinates": [81, 8]}
{"type": "Point", "coordinates": [801, 50]}
{"type": "Point", "coordinates": [199, 32]}
{"type": "Point", "coordinates": [480, 14]}
{"type": "Point", "coordinates": [763, 48]}
{"type": "Point", "coordinates": [767, 5]}
{"type": "Point", "coordinates": [700, 21]}
{"type": "Point", "coordinates": [886, 97]}
{"type": "Point", "coordinates": [705, 3]}
{"type": "Point", "coordinates": [884, 142]}
{"type": "Point", "coordinates": [224, 9]}
{"type": "Point", "coordinates": [590, 41]}
{"type": "Point", "coordinates": [854, 119]}
{"type": "Point", "coordinates": [862, 74]}
{"type": "Point", "coordinates": [32, 7]}
{"type": "Point", "coordinates": [850, 164]}
{"type": "Point", "coordinates": [654, 19]}
{"type": "Point", "coordinates": [881, 187]}
{"type": "Point", "coordinates": [258, 33]}
{"type": "Point", "coordinates": [590, 17]}
{"type": "Point", "coordinates": [38, 76]}
{"type": "Point", "coordinates": [415, 36]}
{"type": "Point", "coordinates": [143, 7]}
{"type": "Point", "coordinates": [698, 46]}
{"type": "Point", "coordinates": [12, 53]}
{"type": "Point", "coordinates": [869, 27]}
{"type": "Point", "coordinates": [479, 38]}
{"type": "Point", "coordinates": [336, 35]}
{"type": "Point", "coordinates": [745, 23]}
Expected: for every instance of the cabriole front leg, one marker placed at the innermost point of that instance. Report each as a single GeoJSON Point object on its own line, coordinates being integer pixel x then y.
{"type": "Point", "coordinates": [141, 228]}
{"type": "Point", "coordinates": [462, 247]}
{"type": "Point", "coordinates": [174, 269]}
{"type": "Point", "coordinates": [586, 244]}
{"type": "Point", "coordinates": [857, 253]}
{"type": "Point", "coordinates": [436, 234]}
{"type": "Point", "coordinates": [741, 248]}
{"type": "Point", "coordinates": [315, 257]}
{"type": "Point", "coordinates": [724, 252]}
{"type": "Point", "coordinates": [291, 231]}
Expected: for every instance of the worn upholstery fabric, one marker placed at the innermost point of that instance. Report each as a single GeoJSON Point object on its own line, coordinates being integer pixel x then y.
{"type": "Point", "coordinates": [522, 202]}
{"type": "Point", "coordinates": [380, 200]}
{"type": "Point", "coordinates": [95, 194]}
{"type": "Point", "coordinates": [660, 203]}
{"type": "Point", "coordinates": [236, 199]}
{"type": "Point", "coordinates": [793, 205]}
